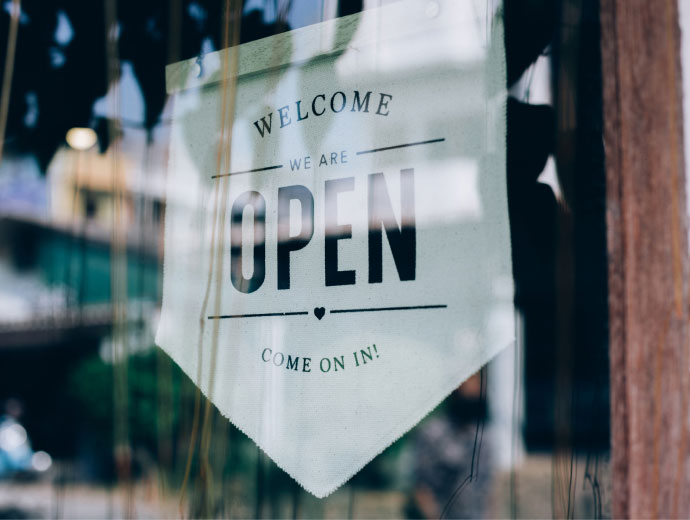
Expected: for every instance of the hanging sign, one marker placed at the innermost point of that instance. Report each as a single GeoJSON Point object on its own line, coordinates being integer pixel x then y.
{"type": "Point", "coordinates": [337, 250]}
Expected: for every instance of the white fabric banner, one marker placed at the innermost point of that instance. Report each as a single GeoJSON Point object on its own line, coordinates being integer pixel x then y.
{"type": "Point", "coordinates": [347, 265]}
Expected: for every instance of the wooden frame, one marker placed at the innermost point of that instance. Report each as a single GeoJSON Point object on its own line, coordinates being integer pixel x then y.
{"type": "Point", "coordinates": [648, 258]}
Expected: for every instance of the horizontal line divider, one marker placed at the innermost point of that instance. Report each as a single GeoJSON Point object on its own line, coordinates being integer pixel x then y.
{"type": "Point", "coordinates": [378, 309]}
{"type": "Point", "coordinates": [230, 316]}
{"type": "Point", "coordinates": [276, 167]}
{"type": "Point", "coordinates": [418, 143]}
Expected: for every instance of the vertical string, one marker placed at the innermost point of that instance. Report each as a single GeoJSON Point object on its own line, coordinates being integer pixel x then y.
{"type": "Point", "coordinates": [231, 39]}
{"type": "Point", "coordinates": [9, 70]}
{"type": "Point", "coordinates": [83, 162]}
{"type": "Point", "coordinates": [229, 63]}
{"type": "Point", "coordinates": [72, 162]}
{"type": "Point", "coordinates": [563, 460]}
{"type": "Point", "coordinates": [476, 450]}
{"type": "Point", "coordinates": [164, 382]}
{"type": "Point", "coordinates": [118, 270]}
{"type": "Point", "coordinates": [260, 470]}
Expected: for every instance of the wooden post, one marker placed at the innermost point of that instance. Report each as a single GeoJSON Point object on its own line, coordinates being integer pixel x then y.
{"type": "Point", "coordinates": [648, 258]}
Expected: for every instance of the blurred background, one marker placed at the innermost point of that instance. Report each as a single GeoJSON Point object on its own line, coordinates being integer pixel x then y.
{"type": "Point", "coordinates": [97, 422]}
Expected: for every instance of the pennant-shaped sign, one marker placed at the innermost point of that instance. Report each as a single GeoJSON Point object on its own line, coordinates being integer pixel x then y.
{"type": "Point", "coordinates": [337, 250]}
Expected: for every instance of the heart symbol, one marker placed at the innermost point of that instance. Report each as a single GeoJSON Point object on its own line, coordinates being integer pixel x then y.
{"type": "Point", "coordinates": [319, 312]}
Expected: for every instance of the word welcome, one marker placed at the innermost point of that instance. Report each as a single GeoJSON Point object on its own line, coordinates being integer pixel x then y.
{"type": "Point", "coordinates": [337, 103]}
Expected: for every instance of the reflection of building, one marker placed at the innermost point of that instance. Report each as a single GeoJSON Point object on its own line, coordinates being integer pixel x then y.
{"type": "Point", "coordinates": [82, 183]}
{"type": "Point", "coordinates": [64, 245]}
{"type": "Point", "coordinates": [56, 270]}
